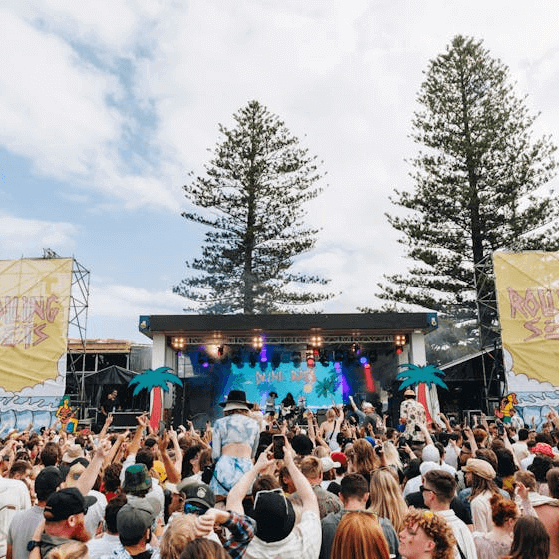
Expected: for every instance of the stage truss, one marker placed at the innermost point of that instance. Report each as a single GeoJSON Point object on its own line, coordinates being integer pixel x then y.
{"type": "Point", "coordinates": [77, 320]}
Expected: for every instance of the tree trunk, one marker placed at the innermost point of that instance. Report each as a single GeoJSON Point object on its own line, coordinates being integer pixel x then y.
{"type": "Point", "coordinates": [156, 412]}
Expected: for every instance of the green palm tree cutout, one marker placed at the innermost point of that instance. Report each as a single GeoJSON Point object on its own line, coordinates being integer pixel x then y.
{"type": "Point", "coordinates": [328, 386]}
{"type": "Point", "coordinates": [428, 374]}
{"type": "Point", "coordinates": [157, 380]}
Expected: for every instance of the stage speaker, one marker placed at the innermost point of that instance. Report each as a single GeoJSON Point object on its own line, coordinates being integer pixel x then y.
{"type": "Point", "coordinates": [321, 416]}
{"type": "Point", "coordinates": [125, 419]}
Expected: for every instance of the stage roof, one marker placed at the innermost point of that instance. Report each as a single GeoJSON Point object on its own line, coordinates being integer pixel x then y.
{"type": "Point", "coordinates": [238, 328]}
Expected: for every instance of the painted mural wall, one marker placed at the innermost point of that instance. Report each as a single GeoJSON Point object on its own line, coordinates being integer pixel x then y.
{"type": "Point", "coordinates": [527, 286]}
{"type": "Point", "coordinates": [34, 307]}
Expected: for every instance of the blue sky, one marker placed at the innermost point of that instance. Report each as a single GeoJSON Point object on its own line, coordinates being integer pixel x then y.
{"type": "Point", "coordinates": [107, 106]}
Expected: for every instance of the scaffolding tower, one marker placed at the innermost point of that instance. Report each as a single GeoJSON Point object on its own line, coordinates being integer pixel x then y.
{"type": "Point", "coordinates": [77, 320]}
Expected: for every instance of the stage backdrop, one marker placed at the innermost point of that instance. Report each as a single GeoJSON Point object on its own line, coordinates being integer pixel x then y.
{"type": "Point", "coordinates": [527, 285]}
{"type": "Point", "coordinates": [34, 308]}
{"type": "Point", "coordinates": [208, 379]}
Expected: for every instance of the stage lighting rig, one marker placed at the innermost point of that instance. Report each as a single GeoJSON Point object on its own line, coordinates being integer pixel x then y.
{"type": "Point", "coordinates": [400, 342]}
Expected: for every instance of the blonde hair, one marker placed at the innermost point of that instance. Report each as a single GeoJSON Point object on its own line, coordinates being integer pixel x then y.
{"type": "Point", "coordinates": [363, 457]}
{"type": "Point", "coordinates": [321, 452]}
{"type": "Point", "coordinates": [359, 536]}
{"type": "Point", "coordinates": [386, 498]}
{"type": "Point", "coordinates": [391, 455]}
{"type": "Point", "coordinates": [436, 528]}
{"type": "Point", "coordinates": [70, 550]}
{"type": "Point", "coordinates": [311, 467]}
{"type": "Point", "coordinates": [180, 531]}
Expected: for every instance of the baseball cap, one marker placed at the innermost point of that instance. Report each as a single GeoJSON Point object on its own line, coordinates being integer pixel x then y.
{"type": "Point", "coordinates": [339, 457]}
{"type": "Point", "coordinates": [430, 453]}
{"type": "Point", "coordinates": [197, 493]}
{"type": "Point", "coordinates": [134, 519]}
{"type": "Point", "coordinates": [66, 502]}
{"type": "Point", "coordinates": [328, 464]}
{"type": "Point", "coordinates": [47, 482]}
{"type": "Point", "coordinates": [274, 515]}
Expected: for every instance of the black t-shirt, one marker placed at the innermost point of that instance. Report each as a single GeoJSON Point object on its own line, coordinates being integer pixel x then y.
{"type": "Point", "coordinates": [109, 405]}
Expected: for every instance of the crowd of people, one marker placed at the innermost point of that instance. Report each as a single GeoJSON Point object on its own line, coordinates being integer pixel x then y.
{"type": "Point", "coordinates": [261, 484]}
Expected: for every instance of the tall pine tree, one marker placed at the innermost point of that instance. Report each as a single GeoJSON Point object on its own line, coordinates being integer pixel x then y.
{"type": "Point", "coordinates": [254, 188]}
{"type": "Point", "coordinates": [478, 184]}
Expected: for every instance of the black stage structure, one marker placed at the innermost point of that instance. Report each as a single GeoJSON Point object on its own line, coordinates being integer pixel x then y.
{"type": "Point", "coordinates": [317, 357]}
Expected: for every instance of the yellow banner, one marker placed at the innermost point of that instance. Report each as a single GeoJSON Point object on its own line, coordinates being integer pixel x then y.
{"type": "Point", "coordinates": [34, 307]}
{"type": "Point", "coordinates": [527, 286]}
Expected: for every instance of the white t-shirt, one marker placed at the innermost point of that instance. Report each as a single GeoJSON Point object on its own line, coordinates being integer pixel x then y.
{"type": "Point", "coordinates": [303, 542]}
{"type": "Point", "coordinates": [462, 534]}
{"type": "Point", "coordinates": [102, 546]}
{"type": "Point", "coordinates": [14, 496]}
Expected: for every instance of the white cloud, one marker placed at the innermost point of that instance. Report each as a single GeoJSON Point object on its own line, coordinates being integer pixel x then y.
{"type": "Point", "coordinates": [25, 237]}
{"type": "Point", "coordinates": [344, 73]}
{"type": "Point", "coordinates": [123, 301]}
{"type": "Point", "coordinates": [53, 111]}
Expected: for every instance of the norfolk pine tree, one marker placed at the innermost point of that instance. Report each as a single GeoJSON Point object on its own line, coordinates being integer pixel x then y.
{"type": "Point", "coordinates": [255, 187]}
{"type": "Point", "coordinates": [478, 183]}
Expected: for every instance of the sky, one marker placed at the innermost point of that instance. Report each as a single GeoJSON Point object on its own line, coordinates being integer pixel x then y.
{"type": "Point", "coordinates": [107, 106]}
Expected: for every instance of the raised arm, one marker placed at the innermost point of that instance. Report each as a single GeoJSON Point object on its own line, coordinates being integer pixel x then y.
{"type": "Point", "coordinates": [136, 441]}
{"type": "Point", "coordinates": [173, 475]}
{"type": "Point", "coordinates": [89, 476]}
{"type": "Point", "coordinates": [302, 485]}
{"type": "Point", "coordinates": [241, 488]}
{"type": "Point", "coordinates": [106, 426]}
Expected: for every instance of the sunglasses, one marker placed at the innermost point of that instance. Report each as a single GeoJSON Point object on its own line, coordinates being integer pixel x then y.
{"type": "Point", "coordinates": [193, 508]}
{"type": "Point", "coordinates": [423, 489]}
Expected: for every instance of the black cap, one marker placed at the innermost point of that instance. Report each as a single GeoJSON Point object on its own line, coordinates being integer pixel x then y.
{"type": "Point", "coordinates": [198, 493]}
{"type": "Point", "coordinates": [47, 482]}
{"type": "Point", "coordinates": [66, 502]}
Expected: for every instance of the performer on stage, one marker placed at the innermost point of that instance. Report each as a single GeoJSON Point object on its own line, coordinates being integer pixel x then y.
{"type": "Point", "coordinates": [109, 404]}
{"type": "Point", "coordinates": [288, 407]}
{"type": "Point", "coordinates": [271, 403]}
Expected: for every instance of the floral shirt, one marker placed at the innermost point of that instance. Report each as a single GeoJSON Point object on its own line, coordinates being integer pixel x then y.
{"type": "Point", "coordinates": [414, 414]}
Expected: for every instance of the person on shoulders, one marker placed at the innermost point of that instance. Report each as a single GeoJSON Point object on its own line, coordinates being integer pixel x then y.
{"type": "Point", "coordinates": [277, 534]}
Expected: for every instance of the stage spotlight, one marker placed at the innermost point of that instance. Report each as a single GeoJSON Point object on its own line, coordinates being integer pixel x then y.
{"type": "Point", "coordinates": [315, 341]}
{"type": "Point", "coordinates": [203, 359]}
{"type": "Point", "coordinates": [252, 359]}
{"type": "Point", "coordinates": [363, 360]}
{"type": "Point", "coordinates": [296, 358]}
{"type": "Point", "coordinates": [400, 342]}
{"type": "Point", "coordinates": [355, 350]}
{"type": "Point", "coordinates": [276, 359]}
{"type": "Point", "coordinates": [257, 342]}
{"type": "Point", "coordinates": [237, 357]}
{"type": "Point", "coordinates": [178, 343]}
